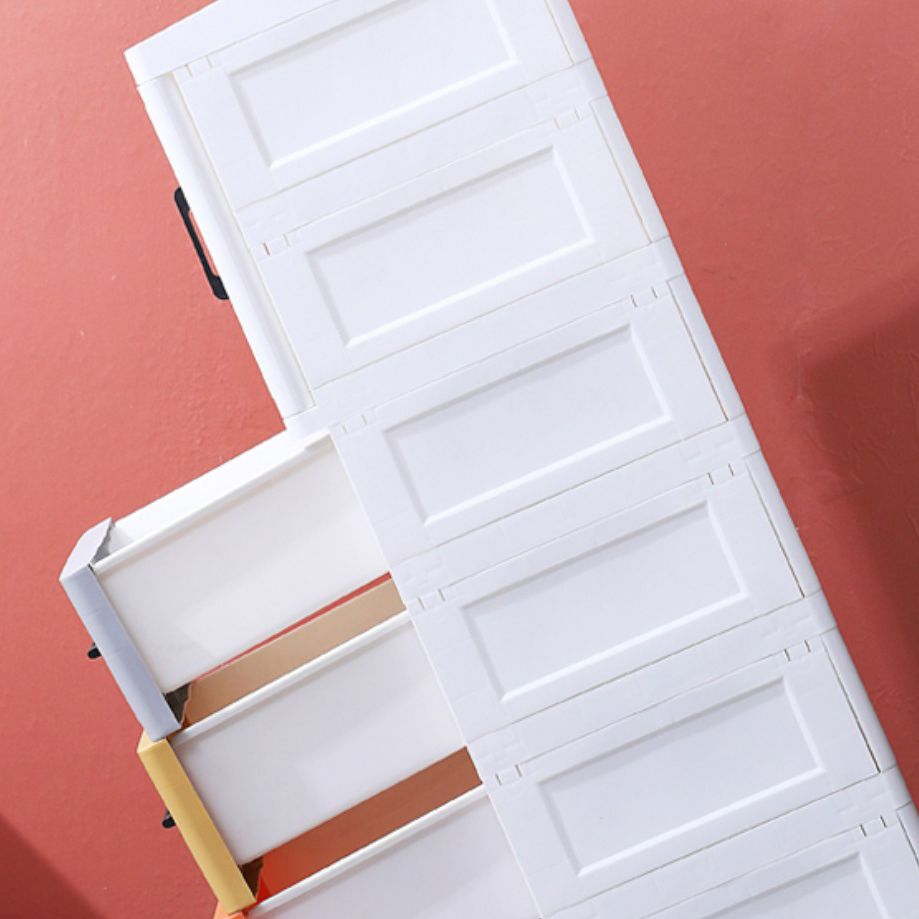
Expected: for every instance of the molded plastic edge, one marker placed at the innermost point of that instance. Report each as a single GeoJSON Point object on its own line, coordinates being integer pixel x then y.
{"type": "Point", "coordinates": [233, 261]}
{"type": "Point", "coordinates": [201, 836]}
{"type": "Point", "coordinates": [118, 650]}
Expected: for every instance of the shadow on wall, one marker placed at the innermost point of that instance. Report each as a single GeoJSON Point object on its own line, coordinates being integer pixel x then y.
{"type": "Point", "coordinates": [29, 886]}
{"type": "Point", "coordinates": [863, 390]}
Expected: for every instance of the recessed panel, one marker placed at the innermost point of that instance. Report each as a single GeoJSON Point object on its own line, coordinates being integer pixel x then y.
{"type": "Point", "coordinates": [592, 800]}
{"type": "Point", "coordinates": [520, 425]}
{"type": "Point", "coordinates": [691, 772]}
{"type": "Point", "coordinates": [528, 422]}
{"type": "Point", "coordinates": [372, 277]}
{"type": "Point", "coordinates": [448, 247]}
{"type": "Point", "coordinates": [342, 81]}
{"type": "Point", "coordinates": [627, 590]}
{"type": "Point", "coordinates": [368, 70]}
{"type": "Point", "coordinates": [840, 891]}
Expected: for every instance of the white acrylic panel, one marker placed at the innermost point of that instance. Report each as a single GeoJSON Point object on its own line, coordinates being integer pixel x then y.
{"type": "Point", "coordinates": [453, 864]}
{"type": "Point", "coordinates": [235, 571]}
{"type": "Point", "coordinates": [851, 876]}
{"type": "Point", "coordinates": [528, 423]}
{"type": "Point", "coordinates": [320, 740]}
{"type": "Point", "coordinates": [454, 244]}
{"type": "Point", "coordinates": [351, 77]}
{"type": "Point", "coordinates": [605, 600]}
{"type": "Point", "coordinates": [631, 796]}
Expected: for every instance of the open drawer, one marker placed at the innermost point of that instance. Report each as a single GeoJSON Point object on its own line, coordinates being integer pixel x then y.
{"type": "Point", "coordinates": [452, 863]}
{"type": "Point", "coordinates": [293, 753]}
{"type": "Point", "coordinates": [427, 855]}
{"type": "Point", "coordinates": [198, 577]}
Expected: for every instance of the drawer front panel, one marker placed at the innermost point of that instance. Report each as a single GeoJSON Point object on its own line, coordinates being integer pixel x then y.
{"type": "Point", "coordinates": [353, 76]}
{"type": "Point", "coordinates": [528, 423]}
{"type": "Point", "coordinates": [852, 876]}
{"type": "Point", "coordinates": [457, 243]}
{"type": "Point", "coordinates": [632, 796]}
{"type": "Point", "coordinates": [603, 601]}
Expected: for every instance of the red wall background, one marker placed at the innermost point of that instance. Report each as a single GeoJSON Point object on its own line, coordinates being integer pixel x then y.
{"type": "Point", "coordinates": [782, 141]}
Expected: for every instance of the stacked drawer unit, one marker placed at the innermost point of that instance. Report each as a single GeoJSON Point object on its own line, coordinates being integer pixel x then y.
{"type": "Point", "coordinates": [251, 624]}
{"type": "Point", "coordinates": [446, 259]}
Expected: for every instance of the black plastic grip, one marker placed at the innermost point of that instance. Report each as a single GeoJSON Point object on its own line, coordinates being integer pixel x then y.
{"type": "Point", "coordinates": [213, 279]}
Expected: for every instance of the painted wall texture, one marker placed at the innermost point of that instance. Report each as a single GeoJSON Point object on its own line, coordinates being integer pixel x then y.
{"type": "Point", "coordinates": [782, 141]}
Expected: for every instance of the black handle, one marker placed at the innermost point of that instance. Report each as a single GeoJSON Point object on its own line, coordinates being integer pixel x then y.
{"type": "Point", "coordinates": [213, 279]}
{"type": "Point", "coordinates": [168, 821]}
{"type": "Point", "coordinates": [93, 653]}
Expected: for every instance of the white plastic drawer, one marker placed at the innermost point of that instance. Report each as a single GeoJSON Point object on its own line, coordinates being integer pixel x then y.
{"type": "Point", "coordinates": [605, 600]}
{"type": "Point", "coordinates": [452, 864]}
{"type": "Point", "coordinates": [527, 423]}
{"type": "Point", "coordinates": [427, 255]}
{"type": "Point", "coordinates": [590, 803]}
{"type": "Point", "coordinates": [632, 282]}
{"type": "Point", "coordinates": [224, 563]}
{"type": "Point", "coordinates": [852, 876]}
{"type": "Point", "coordinates": [713, 453]}
{"type": "Point", "coordinates": [342, 79]}
{"type": "Point", "coordinates": [318, 741]}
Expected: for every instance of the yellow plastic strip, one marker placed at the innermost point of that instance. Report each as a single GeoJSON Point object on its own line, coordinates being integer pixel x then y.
{"type": "Point", "coordinates": [194, 823]}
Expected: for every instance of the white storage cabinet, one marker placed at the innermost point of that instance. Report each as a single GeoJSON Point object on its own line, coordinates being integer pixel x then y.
{"type": "Point", "coordinates": [432, 227]}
